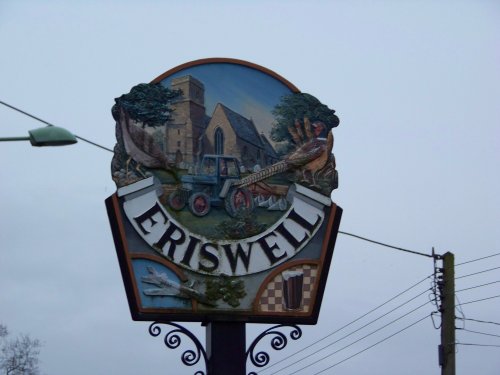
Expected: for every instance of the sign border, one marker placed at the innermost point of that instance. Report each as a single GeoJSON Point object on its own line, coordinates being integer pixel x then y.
{"type": "Point", "coordinates": [125, 257]}
{"type": "Point", "coordinates": [226, 60]}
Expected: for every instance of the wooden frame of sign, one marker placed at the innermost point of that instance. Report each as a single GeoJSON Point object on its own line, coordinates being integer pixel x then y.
{"type": "Point", "coordinates": [223, 208]}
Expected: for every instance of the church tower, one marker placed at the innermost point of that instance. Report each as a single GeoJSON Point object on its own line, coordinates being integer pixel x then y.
{"type": "Point", "coordinates": [188, 122]}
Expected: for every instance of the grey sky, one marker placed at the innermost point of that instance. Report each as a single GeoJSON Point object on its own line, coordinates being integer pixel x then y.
{"type": "Point", "coordinates": [415, 85]}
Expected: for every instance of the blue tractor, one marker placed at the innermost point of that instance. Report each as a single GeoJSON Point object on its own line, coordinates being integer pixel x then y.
{"type": "Point", "coordinates": [214, 186]}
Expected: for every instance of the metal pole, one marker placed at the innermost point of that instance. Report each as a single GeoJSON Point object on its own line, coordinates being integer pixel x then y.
{"type": "Point", "coordinates": [225, 347]}
{"type": "Point", "coordinates": [10, 139]}
{"type": "Point", "coordinates": [447, 347]}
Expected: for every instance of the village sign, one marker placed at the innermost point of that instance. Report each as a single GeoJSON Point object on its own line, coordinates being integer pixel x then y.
{"type": "Point", "coordinates": [223, 209]}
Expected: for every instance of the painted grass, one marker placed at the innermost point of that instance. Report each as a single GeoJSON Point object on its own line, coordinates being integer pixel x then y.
{"type": "Point", "coordinates": [207, 225]}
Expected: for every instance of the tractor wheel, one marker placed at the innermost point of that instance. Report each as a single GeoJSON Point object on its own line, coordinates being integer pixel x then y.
{"type": "Point", "coordinates": [199, 204]}
{"type": "Point", "coordinates": [176, 201]}
{"type": "Point", "coordinates": [239, 201]}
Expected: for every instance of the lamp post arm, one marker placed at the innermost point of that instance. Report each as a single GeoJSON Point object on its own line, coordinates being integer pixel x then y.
{"type": "Point", "coordinates": [10, 139]}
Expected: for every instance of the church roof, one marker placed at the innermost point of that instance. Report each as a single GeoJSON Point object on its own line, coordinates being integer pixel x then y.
{"type": "Point", "coordinates": [268, 148]}
{"type": "Point", "coordinates": [206, 120]}
{"type": "Point", "coordinates": [243, 127]}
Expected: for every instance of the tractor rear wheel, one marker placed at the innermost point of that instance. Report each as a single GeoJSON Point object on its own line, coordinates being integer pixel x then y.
{"type": "Point", "coordinates": [199, 204]}
{"type": "Point", "coordinates": [176, 201]}
{"type": "Point", "coordinates": [239, 201]}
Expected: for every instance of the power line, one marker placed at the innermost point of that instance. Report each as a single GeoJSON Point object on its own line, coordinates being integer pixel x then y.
{"type": "Point", "coordinates": [94, 144]}
{"type": "Point", "coordinates": [477, 286]}
{"type": "Point", "coordinates": [434, 285]}
{"type": "Point", "coordinates": [354, 342]}
{"type": "Point", "coordinates": [479, 333]}
{"type": "Point", "coordinates": [432, 319]}
{"type": "Point", "coordinates": [348, 324]}
{"type": "Point", "coordinates": [459, 308]}
{"type": "Point", "coordinates": [49, 124]}
{"type": "Point", "coordinates": [26, 113]}
{"type": "Point", "coordinates": [477, 273]}
{"type": "Point", "coordinates": [371, 346]}
{"type": "Point", "coordinates": [480, 321]}
{"type": "Point", "coordinates": [386, 245]}
{"type": "Point", "coordinates": [479, 300]}
{"type": "Point", "coordinates": [469, 344]}
{"type": "Point", "coordinates": [357, 330]}
{"type": "Point", "coordinates": [477, 259]}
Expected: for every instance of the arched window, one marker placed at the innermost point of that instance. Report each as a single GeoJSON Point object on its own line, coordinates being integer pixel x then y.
{"type": "Point", "coordinates": [178, 157]}
{"type": "Point", "coordinates": [219, 141]}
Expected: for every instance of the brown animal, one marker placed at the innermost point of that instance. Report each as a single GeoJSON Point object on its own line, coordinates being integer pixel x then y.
{"type": "Point", "coordinates": [310, 158]}
{"type": "Point", "coordinates": [313, 155]}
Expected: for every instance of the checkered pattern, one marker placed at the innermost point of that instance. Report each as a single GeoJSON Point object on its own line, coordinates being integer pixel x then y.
{"type": "Point", "coordinates": [271, 300]}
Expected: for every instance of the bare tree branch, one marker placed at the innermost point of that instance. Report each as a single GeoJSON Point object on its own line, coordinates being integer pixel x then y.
{"type": "Point", "coordinates": [19, 356]}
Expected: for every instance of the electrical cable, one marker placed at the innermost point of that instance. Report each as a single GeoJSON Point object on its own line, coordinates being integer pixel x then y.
{"type": "Point", "coordinates": [386, 245]}
{"type": "Point", "coordinates": [357, 330]}
{"type": "Point", "coordinates": [480, 321]}
{"type": "Point", "coordinates": [477, 259]}
{"type": "Point", "coordinates": [434, 323]}
{"type": "Point", "coordinates": [479, 333]}
{"type": "Point", "coordinates": [371, 346]}
{"type": "Point", "coordinates": [434, 290]}
{"type": "Point", "coordinates": [434, 283]}
{"type": "Point", "coordinates": [435, 301]}
{"type": "Point", "coordinates": [93, 143]}
{"type": "Point", "coordinates": [477, 286]}
{"type": "Point", "coordinates": [352, 343]}
{"type": "Point", "coordinates": [459, 308]}
{"type": "Point", "coordinates": [49, 124]}
{"type": "Point", "coordinates": [469, 344]}
{"type": "Point", "coordinates": [348, 324]}
{"type": "Point", "coordinates": [477, 273]}
{"type": "Point", "coordinates": [479, 300]}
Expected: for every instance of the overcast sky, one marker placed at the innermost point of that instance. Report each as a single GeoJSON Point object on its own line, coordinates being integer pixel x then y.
{"type": "Point", "coordinates": [416, 86]}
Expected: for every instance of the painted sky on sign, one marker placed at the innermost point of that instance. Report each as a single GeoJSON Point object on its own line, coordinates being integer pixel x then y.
{"type": "Point", "coordinates": [247, 91]}
{"type": "Point", "coordinates": [415, 85]}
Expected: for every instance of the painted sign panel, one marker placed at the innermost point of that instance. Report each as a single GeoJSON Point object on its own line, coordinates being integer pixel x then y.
{"type": "Point", "coordinates": [223, 209]}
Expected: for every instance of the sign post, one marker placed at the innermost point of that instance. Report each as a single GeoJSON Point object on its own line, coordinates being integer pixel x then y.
{"type": "Point", "coordinates": [226, 346]}
{"type": "Point", "coordinates": [223, 212]}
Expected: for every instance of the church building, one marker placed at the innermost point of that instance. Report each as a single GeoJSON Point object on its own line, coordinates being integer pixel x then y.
{"type": "Point", "coordinates": [191, 133]}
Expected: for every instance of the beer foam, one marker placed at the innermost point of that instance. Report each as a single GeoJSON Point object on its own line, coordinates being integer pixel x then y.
{"type": "Point", "coordinates": [288, 274]}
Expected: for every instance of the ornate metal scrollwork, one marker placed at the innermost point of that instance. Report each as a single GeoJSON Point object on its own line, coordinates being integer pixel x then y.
{"type": "Point", "coordinates": [172, 340]}
{"type": "Point", "coordinates": [278, 342]}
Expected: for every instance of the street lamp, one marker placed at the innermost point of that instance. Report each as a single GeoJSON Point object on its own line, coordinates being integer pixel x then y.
{"type": "Point", "coordinates": [46, 136]}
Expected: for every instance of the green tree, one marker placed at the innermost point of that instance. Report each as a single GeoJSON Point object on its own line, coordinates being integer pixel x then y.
{"type": "Point", "coordinates": [297, 106]}
{"type": "Point", "coordinates": [148, 103]}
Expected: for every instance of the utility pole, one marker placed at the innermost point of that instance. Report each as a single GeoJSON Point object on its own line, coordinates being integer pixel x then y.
{"type": "Point", "coordinates": [447, 292]}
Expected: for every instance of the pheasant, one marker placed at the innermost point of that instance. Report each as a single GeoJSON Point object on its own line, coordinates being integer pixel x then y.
{"type": "Point", "coordinates": [310, 157]}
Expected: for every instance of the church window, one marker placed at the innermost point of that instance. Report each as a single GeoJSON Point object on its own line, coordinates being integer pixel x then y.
{"type": "Point", "coordinates": [219, 141]}
{"type": "Point", "coordinates": [178, 157]}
